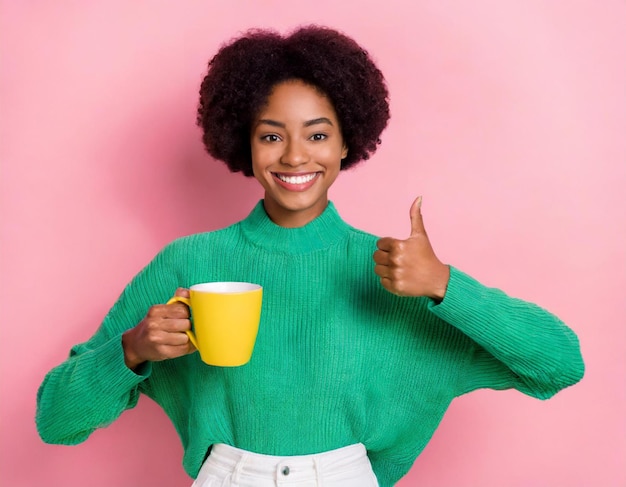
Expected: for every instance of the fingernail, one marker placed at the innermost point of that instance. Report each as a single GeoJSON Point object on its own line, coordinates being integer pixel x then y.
{"type": "Point", "coordinates": [419, 201]}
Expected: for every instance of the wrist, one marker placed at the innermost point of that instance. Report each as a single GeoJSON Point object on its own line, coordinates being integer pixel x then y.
{"type": "Point", "coordinates": [131, 358]}
{"type": "Point", "coordinates": [441, 283]}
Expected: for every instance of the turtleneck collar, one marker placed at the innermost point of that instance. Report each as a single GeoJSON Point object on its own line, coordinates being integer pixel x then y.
{"type": "Point", "coordinates": [322, 232]}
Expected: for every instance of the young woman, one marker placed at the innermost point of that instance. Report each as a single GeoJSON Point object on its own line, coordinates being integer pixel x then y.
{"type": "Point", "coordinates": [363, 343]}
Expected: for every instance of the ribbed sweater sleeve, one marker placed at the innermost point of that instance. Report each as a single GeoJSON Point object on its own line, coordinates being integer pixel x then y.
{"type": "Point", "coordinates": [515, 343]}
{"type": "Point", "coordinates": [93, 386]}
{"type": "Point", "coordinates": [88, 391]}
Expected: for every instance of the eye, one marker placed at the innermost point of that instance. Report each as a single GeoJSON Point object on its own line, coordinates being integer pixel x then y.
{"type": "Point", "coordinates": [317, 137]}
{"type": "Point", "coordinates": [270, 138]}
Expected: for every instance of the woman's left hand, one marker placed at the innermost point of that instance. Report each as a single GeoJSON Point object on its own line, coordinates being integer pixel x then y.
{"type": "Point", "coordinates": [410, 267]}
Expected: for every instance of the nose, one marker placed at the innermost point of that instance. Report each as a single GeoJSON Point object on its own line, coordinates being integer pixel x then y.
{"type": "Point", "coordinates": [295, 154]}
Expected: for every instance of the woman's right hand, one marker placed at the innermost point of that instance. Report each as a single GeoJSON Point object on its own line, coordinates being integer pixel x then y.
{"type": "Point", "coordinates": [160, 335]}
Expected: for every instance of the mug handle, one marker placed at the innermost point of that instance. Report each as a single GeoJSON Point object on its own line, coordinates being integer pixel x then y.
{"type": "Point", "coordinates": [187, 301]}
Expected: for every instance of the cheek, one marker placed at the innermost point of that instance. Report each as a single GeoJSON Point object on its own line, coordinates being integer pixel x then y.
{"type": "Point", "coordinates": [257, 171]}
{"type": "Point", "coordinates": [259, 168]}
{"type": "Point", "coordinates": [261, 155]}
{"type": "Point", "coordinates": [334, 157]}
{"type": "Point", "coordinates": [257, 159]}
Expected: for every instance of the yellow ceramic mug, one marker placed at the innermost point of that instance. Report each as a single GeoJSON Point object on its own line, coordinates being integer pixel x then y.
{"type": "Point", "coordinates": [226, 319]}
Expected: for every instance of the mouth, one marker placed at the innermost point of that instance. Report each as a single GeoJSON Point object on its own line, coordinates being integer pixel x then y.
{"type": "Point", "coordinates": [296, 182]}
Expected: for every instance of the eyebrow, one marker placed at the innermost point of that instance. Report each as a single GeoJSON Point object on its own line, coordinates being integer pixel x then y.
{"type": "Point", "coordinates": [308, 123]}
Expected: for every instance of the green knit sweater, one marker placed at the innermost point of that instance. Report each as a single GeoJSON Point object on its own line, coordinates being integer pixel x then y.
{"type": "Point", "coordinates": [338, 359]}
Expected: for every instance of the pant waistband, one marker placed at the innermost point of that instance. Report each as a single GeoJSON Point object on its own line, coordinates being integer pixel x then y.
{"type": "Point", "coordinates": [294, 467]}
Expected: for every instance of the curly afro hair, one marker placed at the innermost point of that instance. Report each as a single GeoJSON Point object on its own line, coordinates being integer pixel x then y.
{"type": "Point", "coordinates": [242, 74]}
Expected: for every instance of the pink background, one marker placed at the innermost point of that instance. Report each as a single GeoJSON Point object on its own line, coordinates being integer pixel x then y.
{"type": "Point", "coordinates": [509, 117]}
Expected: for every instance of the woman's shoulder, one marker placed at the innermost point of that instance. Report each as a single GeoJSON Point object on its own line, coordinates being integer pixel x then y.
{"type": "Point", "coordinates": [201, 239]}
{"type": "Point", "coordinates": [362, 237]}
{"type": "Point", "coordinates": [362, 234]}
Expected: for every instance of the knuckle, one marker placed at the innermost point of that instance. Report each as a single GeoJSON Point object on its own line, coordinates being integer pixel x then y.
{"type": "Point", "coordinates": [396, 260]}
{"type": "Point", "coordinates": [182, 292]}
{"type": "Point", "coordinates": [153, 324]}
{"type": "Point", "coordinates": [398, 282]}
{"type": "Point", "coordinates": [181, 325]}
{"type": "Point", "coordinates": [182, 311]}
{"type": "Point", "coordinates": [153, 339]}
{"type": "Point", "coordinates": [155, 311]}
{"type": "Point", "coordinates": [385, 243]}
{"type": "Point", "coordinates": [160, 352]}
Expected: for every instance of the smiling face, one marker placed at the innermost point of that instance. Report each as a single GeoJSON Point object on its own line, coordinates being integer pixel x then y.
{"type": "Point", "coordinates": [297, 148]}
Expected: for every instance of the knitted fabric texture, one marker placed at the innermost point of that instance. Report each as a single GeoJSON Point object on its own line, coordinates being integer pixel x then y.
{"type": "Point", "coordinates": [338, 359]}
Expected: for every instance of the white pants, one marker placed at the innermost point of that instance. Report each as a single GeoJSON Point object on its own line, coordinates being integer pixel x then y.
{"type": "Point", "coordinates": [231, 467]}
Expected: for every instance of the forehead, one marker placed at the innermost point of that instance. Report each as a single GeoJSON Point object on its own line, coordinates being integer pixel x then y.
{"type": "Point", "coordinates": [296, 100]}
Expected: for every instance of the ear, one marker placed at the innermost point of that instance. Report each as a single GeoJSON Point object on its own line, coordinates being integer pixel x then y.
{"type": "Point", "coordinates": [344, 151]}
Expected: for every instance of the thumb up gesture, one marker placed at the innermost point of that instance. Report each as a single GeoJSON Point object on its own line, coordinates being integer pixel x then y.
{"type": "Point", "coordinates": [410, 267]}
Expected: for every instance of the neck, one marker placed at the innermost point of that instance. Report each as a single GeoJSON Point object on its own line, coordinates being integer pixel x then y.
{"type": "Point", "coordinates": [321, 233]}
{"type": "Point", "coordinates": [287, 218]}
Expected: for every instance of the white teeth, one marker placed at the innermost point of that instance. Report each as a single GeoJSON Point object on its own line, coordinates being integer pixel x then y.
{"type": "Point", "coordinates": [296, 179]}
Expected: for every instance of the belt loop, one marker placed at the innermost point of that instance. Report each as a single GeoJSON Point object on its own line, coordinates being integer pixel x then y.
{"type": "Point", "coordinates": [238, 468]}
{"type": "Point", "coordinates": [318, 471]}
